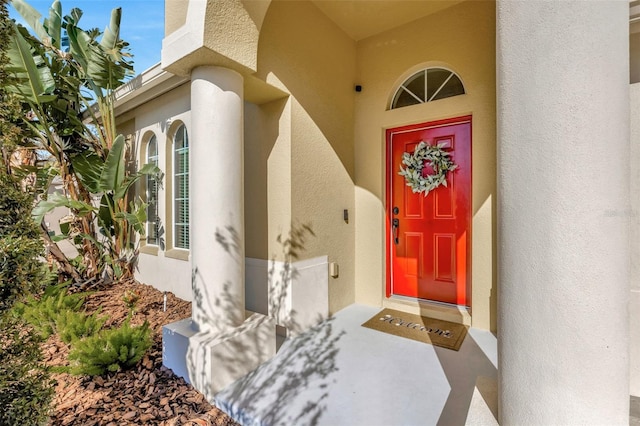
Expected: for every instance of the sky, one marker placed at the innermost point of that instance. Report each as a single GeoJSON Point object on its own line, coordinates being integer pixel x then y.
{"type": "Point", "coordinates": [142, 24]}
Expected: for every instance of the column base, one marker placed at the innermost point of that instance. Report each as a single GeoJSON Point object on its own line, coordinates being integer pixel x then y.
{"type": "Point", "coordinates": [211, 361]}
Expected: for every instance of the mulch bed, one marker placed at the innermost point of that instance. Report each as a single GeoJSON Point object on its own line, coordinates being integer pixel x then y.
{"type": "Point", "coordinates": [148, 394]}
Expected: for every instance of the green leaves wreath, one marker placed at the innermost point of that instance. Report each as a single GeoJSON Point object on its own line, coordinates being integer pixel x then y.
{"type": "Point", "coordinates": [436, 157]}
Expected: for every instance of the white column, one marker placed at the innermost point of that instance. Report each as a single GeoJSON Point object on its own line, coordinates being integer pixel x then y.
{"type": "Point", "coordinates": [563, 181]}
{"type": "Point", "coordinates": [217, 198]}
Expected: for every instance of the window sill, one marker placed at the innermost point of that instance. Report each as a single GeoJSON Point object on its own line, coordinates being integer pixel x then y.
{"type": "Point", "coordinates": [180, 254]}
{"type": "Point", "coordinates": [152, 250]}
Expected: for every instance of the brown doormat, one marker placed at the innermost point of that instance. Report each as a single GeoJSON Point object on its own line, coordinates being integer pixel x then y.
{"type": "Point", "coordinates": [437, 332]}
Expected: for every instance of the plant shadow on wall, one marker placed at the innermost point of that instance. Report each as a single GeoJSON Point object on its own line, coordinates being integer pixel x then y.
{"type": "Point", "coordinates": [306, 361]}
{"type": "Point", "coordinates": [161, 240]}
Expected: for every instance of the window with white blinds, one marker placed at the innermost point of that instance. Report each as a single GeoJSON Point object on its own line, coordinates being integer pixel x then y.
{"type": "Point", "coordinates": [181, 188]}
{"type": "Point", "coordinates": [152, 195]}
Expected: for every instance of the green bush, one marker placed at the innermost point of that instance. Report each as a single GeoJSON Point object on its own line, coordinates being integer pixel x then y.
{"type": "Point", "coordinates": [21, 249]}
{"type": "Point", "coordinates": [72, 325]}
{"type": "Point", "coordinates": [112, 350]}
{"type": "Point", "coordinates": [43, 313]}
{"type": "Point", "coordinates": [26, 388]}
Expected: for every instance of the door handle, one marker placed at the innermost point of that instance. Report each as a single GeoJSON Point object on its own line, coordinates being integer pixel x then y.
{"type": "Point", "coordinates": [395, 224]}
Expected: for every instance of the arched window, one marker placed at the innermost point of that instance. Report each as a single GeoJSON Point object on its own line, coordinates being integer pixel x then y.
{"type": "Point", "coordinates": [181, 188]}
{"type": "Point", "coordinates": [152, 194]}
{"type": "Point", "coordinates": [427, 85]}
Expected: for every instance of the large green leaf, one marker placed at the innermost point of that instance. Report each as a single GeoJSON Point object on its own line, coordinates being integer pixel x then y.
{"type": "Point", "coordinates": [35, 82]}
{"type": "Point", "coordinates": [53, 24]}
{"type": "Point", "coordinates": [137, 217]}
{"type": "Point", "coordinates": [79, 42]}
{"type": "Point", "coordinates": [109, 68]}
{"type": "Point", "coordinates": [111, 36]}
{"type": "Point", "coordinates": [59, 200]}
{"type": "Point", "coordinates": [112, 176]}
{"type": "Point", "coordinates": [31, 16]}
{"type": "Point", "coordinates": [102, 63]}
{"type": "Point", "coordinates": [146, 170]}
{"type": "Point", "coordinates": [89, 170]}
{"type": "Point", "coordinates": [104, 215]}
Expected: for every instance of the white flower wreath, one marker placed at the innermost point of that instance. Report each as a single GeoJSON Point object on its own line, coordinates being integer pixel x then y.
{"type": "Point", "coordinates": [436, 157]}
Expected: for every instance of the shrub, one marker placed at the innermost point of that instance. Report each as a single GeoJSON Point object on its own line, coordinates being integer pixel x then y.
{"type": "Point", "coordinates": [26, 388]}
{"type": "Point", "coordinates": [21, 249]}
{"type": "Point", "coordinates": [72, 325]}
{"type": "Point", "coordinates": [43, 314]}
{"type": "Point", "coordinates": [111, 350]}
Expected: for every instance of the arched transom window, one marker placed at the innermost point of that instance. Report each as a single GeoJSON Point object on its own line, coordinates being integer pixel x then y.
{"type": "Point", "coordinates": [427, 85]}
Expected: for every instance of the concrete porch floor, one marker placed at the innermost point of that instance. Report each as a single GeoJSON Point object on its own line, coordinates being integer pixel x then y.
{"type": "Point", "coordinates": [340, 373]}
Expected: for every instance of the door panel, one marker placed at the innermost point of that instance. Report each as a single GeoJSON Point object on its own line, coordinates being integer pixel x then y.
{"type": "Point", "coordinates": [430, 258]}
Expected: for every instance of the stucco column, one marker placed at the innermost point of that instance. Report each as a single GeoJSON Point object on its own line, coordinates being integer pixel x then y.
{"type": "Point", "coordinates": [563, 180]}
{"type": "Point", "coordinates": [217, 199]}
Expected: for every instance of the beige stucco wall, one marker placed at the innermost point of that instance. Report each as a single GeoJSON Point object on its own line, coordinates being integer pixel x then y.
{"type": "Point", "coordinates": [255, 183]}
{"type": "Point", "coordinates": [305, 54]}
{"type": "Point", "coordinates": [220, 33]}
{"type": "Point", "coordinates": [320, 151]}
{"type": "Point", "coordinates": [460, 38]}
{"type": "Point", "coordinates": [634, 300]}
{"type": "Point", "coordinates": [169, 269]}
{"type": "Point", "coordinates": [175, 15]}
{"type": "Point", "coordinates": [156, 267]}
{"type": "Point", "coordinates": [634, 57]}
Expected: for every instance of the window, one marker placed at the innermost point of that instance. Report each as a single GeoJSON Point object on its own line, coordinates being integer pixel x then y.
{"type": "Point", "coordinates": [181, 188]}
{"type": "Point", "coordinates": [152, 195]}
{"type": "Point", "coordinates": [426, 86]}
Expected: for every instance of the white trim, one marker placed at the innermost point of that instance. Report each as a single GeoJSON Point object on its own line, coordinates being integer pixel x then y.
{"type": "Point", "coordinates": [147, 85]}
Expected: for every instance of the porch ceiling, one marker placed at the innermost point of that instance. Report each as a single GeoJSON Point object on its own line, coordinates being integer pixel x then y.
{"type": "Point", "coordinates": [363, 18]}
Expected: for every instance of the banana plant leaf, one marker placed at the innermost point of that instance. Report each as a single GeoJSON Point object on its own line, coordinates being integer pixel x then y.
{"type": "Point", "coordinates": [53, 24]}
{"type": "Point", "coordinates": [112, 176]}
{"type": "Point", "coordinates": [146, 170]}
{"type": "Point", "coordinates": [137, 219]}
{"type": "Point", "coordinates": [31, 16]}
{"type": "Point", "coordinates": [110, 41]}
{"type": "Point", "coordinates": [35, 83]}
{"type": "Point", "coordinates": [88, 169]}
{"type": "Point", "coordinates": [102, 62]}
{"type": "Point", "coordinates": [104, 215]}
{"type": "Point", "coordinates": [59, 200]}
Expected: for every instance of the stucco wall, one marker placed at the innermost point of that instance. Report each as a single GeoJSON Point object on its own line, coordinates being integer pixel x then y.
{"type": "Point", "coordinates": [304, 153]}
{"type": "Point", "coordinates": [634, 300]}
{"type": "Point", "coordinates": [634, 56]}
{"type": "Point", "coordinates": [460, 38]}
{"type": "Point", "coordinates": [175, 15]}
{"type": "Point", "coordinates": [155, 267]}
{"type": "Point", "coordinates": [255, 183]}
{"type": "Point", "coordinates": [305, 54]}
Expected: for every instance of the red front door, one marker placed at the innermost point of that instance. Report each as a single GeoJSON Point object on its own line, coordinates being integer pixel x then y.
{"type": "Point", "coordinates": [429, 253]}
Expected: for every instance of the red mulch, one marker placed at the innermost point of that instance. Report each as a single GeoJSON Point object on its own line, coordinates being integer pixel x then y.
{"type": "Point", "coordinates": [148, 394]}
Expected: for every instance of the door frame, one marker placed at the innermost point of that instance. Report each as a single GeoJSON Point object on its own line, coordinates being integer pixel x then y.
{"type": "Point", "coordinates": [388, 199]}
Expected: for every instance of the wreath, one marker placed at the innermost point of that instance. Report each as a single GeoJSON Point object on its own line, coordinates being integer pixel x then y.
{"type": "Point", "coordinates": [436, 157]}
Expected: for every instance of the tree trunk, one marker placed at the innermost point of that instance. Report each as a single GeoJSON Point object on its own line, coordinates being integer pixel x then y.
{"type": "Point", "coordinates": [63, 263]}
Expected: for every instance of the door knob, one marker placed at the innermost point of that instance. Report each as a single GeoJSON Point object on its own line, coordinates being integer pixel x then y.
{"type": "Point", "coordinates": [395, 224]}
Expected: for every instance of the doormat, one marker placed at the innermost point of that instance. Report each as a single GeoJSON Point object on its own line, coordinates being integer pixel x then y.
{"type": "Point", "coordinates": [437, 332]}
